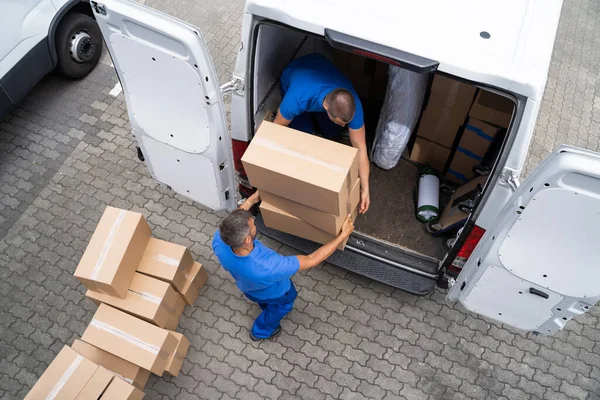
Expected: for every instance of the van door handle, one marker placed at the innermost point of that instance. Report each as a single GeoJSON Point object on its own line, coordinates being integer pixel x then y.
{"type": "Point", "coordinates": [538, 292]}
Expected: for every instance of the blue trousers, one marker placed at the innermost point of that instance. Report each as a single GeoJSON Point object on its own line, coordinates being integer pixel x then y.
{"type": "Point", "coordinates": [317, 121]}
{"type": "Point", "coordinates": [273, 311]}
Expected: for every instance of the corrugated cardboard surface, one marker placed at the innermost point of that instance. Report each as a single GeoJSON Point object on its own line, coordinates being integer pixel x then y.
{"type": "Point", "coordinates": [429, 153]}
{"type": "Point", "coordinates": [114, 251]}
{"type": "Point", "coordinates": [175, 316]}
{"type": "Point", "coordinates": [326, 222]}
{"type": "Point", "coordinates": [130, 338]}
{"type": "Point", "coordinates": [194, 282]}
{"type": "Point", "coordinates": [304, 168]}
{"type": "Point", "coordinates": [285, 222]}
{"type": "Point", "coordinates": [148, 298]}
{"type": "Point", "coordinates": [492, 108]}
{"type": "Point", "coordinates": [121, 390]}
{"type": "Point", "coordinates": [96, 385]}
{"type": "Point", "coordinates": [65, 377]}
{"type": "Point", "coordinates": [461, 167]}
{"type": "Point", "coordinates": [451, 214]}
{"type": "Point", "coordinates": [176, 360]}
{"type": "Point", "coordinates": [169, 262]}
{"type": "Point", "coordinates": [135, 375]}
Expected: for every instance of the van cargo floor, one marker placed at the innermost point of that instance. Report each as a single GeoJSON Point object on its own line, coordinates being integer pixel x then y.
{"type": "Point", "coordinates": [391, 216]}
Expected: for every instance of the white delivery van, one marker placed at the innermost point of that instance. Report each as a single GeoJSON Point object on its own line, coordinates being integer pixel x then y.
{"type": "Point", "coordinates": [527, 255]}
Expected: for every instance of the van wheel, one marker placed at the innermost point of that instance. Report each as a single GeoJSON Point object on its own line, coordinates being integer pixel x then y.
{"type": "Point", "coordinates": [78, 45]}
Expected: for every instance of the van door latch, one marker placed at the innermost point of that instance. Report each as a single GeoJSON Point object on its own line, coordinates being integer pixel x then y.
{"type": "Point", "coordinates": [236, 84]}
{"type": "Point", "coordinates": [510, 179]}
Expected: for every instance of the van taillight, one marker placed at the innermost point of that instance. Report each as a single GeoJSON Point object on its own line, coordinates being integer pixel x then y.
{"type": "Point", "coordinates": [465, 251]}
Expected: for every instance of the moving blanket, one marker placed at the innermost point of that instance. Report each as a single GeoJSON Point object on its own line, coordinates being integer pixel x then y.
{"type": "Point", "coordinates": [399, 115]}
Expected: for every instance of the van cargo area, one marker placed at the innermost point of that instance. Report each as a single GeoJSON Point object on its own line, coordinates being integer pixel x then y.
{"type": "Point", "coordinates": [446, 137]}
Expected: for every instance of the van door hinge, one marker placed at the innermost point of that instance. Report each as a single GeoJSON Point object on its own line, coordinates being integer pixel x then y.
{"type": "Point", "coordinates": [509, 178]}
{"type": "Point", "coordinates": [99, 8]}
{"type": "Point", "coordinates": [236, 84]}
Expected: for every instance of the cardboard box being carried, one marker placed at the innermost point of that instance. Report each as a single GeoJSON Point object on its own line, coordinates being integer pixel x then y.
{"type": "Point", "coordinates": [429, 153]}
{"type": "Point", "coordinates": [328, 223]}
{"type": "Point", "coordinates": [176, 359]}
{"type": "Point", "coordinates": [166, 261]}
{"type": "Point", "coordinates": [121, 390]}
{"type": "Point", "coordinates": [114, 251]}
{"type": "Point", "coordinates": [194, 282]}
{"type": "Point", "coordinates": [307, 169]}
{"type": "Point", "coordinates": [94, 388]}
{"type": "Point", "coordinates": [130, 338]}
{"type": "Point", "coordinates": [65, 377]}
{"type": "Point", "coordinates": [492, 108]}
{"type": "Point", "coordinates": [147, 298]}
{"type": "Point", "coordinates": [133, 374]}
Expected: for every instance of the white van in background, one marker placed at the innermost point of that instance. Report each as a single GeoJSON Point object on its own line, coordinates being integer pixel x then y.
{"type": "Point", "coordinates": [527, 255]}
{"type": "Point", "coordinates": [37, 36]}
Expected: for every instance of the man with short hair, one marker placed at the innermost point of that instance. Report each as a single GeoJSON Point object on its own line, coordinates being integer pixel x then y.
{"type": "Point", "coordinates": [259, 272]}
{"type": "Point", "coordinates": [313, 88]}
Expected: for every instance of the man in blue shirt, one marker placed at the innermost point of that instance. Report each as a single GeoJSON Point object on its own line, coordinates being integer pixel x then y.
{"type": "Point", "coordinates": [312, 87]}
{"type": "Point", "coordinates": [259, 272]}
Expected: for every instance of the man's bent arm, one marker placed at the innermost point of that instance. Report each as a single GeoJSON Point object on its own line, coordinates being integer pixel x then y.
{"type": "Point", "coordinates": [358, 139]}
{"type": "Point", "coordinates": [280, 120]}
{"type": "Point", "coordinates": [323, 252]}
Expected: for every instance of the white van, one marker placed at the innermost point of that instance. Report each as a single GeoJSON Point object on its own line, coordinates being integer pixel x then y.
{"type": "Point", "coordinates": [528, 252]}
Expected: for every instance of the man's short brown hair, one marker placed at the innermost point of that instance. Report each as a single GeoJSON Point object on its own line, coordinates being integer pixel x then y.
{"type": "Point", "coordinates": [341, 104]}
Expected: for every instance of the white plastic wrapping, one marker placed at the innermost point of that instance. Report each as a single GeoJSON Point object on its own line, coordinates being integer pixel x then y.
{"type": "Point", "coordinates": [399, 114]}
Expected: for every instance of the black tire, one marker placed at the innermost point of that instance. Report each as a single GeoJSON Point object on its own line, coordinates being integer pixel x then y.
{"type": "Point", "coordinates": [71, 24]}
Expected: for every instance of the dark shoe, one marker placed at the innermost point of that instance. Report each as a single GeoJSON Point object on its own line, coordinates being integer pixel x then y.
{"type": "Point", "coordinates": [256, 339]}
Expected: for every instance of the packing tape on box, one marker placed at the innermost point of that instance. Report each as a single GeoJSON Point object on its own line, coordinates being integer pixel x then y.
{"type": "Point", "coordinates": [128, 380]}
{"type": "Point", "coordinates": [170, 261]}
{"type": "Point", "coordinates": [266, 143]}
{"type": "Point", "coordinates": [147, 296]}
{"type": "Point", "coordinates": [65, 377]}
{"type": "Point", "coordinates": [125, 336]}
{"type": "Point", "coordinates": [107, 244]}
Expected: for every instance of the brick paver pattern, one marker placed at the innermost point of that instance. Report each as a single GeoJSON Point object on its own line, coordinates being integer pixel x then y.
{"type": "Point", "coordinates": [66, 153]}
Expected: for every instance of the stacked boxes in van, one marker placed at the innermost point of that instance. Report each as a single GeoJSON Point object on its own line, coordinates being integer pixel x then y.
{"type": "Point", "coordinates": [308, 185]}
{"type": "Point", "coordinates": [141, 285]}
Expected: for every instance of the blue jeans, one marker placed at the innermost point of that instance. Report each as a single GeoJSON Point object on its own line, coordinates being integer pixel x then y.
{"type": "Point", "coordinates": [273, 311]}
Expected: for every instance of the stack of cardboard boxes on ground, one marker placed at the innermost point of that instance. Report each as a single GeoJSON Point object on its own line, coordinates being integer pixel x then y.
{"type": "Point", "coordinates": [308, 185]}
{"type": "Point", "coordinates": [454, 107]}
{"type": "Point", "coordinates": [141, 285]}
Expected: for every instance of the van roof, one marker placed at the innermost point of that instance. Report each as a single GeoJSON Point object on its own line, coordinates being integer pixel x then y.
{"type": "Point", "coordinates": [515, 58]}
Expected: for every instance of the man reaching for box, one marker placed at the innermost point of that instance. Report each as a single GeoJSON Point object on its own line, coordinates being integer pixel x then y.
{"type": "Point", "coordinates": [313, 84]}
{"type": "Point", "coordinates": [260, 273]}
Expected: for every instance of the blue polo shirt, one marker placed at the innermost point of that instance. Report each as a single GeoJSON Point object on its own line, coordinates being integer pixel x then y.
{"type": "Point", "coordinates": [307, 80]}
{"type": "Point", "coordinates": [263, 274]}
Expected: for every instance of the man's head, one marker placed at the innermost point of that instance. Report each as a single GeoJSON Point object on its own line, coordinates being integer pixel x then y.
{"type": "Point", "coordinates": [238, 229]}
{"type": "Point", "coordinates": [340, 106]}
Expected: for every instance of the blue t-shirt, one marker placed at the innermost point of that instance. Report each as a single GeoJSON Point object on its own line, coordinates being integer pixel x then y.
{"type": "Point", "coordinates": [307, 80]}
{"type": "Point", "coordinates": [263, 273]}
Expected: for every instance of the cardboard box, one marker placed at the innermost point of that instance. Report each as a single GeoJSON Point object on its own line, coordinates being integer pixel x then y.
{"type": "Point", "coordinates": [194, 282]}
{"type": "Point", "coordinates": [176, 360]}
{"type": "Point", "coordinates": [64, 378]}
{"type": "Point", "coordinates": [130, 338]}
{"type": "Point", "coordinates": [492, 108]}
{"type": "Point", "coordinates": [148, 298]}
{"type": "Point", "coordinates": [121, 390]}
{"type": "Point", "coordinates": [114, 251]}
{"type": "Point", "coordinates": [304, 168]}
{"type": "Point", "coordinates": [276, 218]}
{"type": "Point", "coordinates": [95, 387]}
{"type": "Point", "coordinates": [326, 222]}
{"type": "Point", "coordinates": [451, 216]}
{"type": "Point", "coordinates": [461, 167]}
{"type": "Point", "coordinates": [166, 261]}
{"type": "Point", "coordinates": [133, 374]}
{"type": "Point", "coordinates": [175, 317]}
{"type": "Point", "coordinates": [429, 153]}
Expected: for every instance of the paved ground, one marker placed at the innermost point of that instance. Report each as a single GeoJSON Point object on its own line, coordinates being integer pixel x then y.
{"type": "Point", "coordinates": [65, 154]}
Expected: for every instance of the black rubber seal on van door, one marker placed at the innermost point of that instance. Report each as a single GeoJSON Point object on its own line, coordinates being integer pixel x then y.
{"type": "Point", "coordinates": [380, 52]}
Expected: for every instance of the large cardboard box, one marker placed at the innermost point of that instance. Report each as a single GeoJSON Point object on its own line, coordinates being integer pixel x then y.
{"type": "Point", "coordinates": [114, 251]}
{"type": "Point", "coordinates": [194, 282]}
{"type": "Point", "coordinates": [278, 219]}
{"type": "Point", "coordinates": [176, 360]}
{"type": "Point", "coordinates": [64, 378]}
{"type": "Point", "coordinates": [429, 153]}
{"type": "Point", "coordinates": [148, 298]}
{"type": "Point", "coordinates": [304, 168]}
{"type": "Point", "coordinates": [166, 261]}
{"type": "Point", "coordinates": [132, 373]}
{"type": "Point", "coordinates": [130, 338]}
{"type": "Point", "coordinates": [452, 216]}
{"type": "Point", "coordinates": [174, 318]}
{"type": "Point", "coordinates": [326, 222]}
{"type": "Point", "coordinates": [121, 390]}
{"type": "Point", "coordinates": [95, 387]}
{"type": "Point", "coordinates": [446, 110]}
{"type": "Point", "coordinates": [492, 108]}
